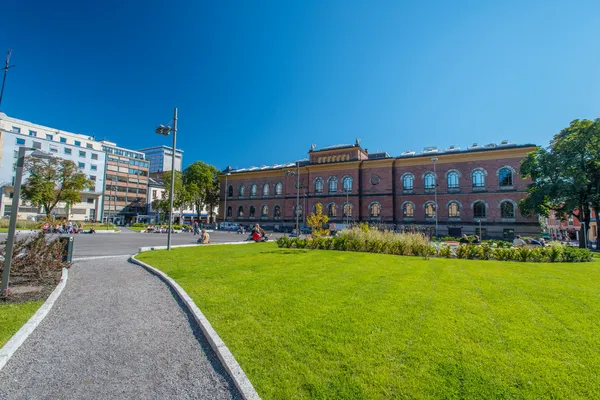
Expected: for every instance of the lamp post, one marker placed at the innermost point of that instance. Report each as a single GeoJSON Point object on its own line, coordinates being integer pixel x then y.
{"type": "Point", "coordinates": [10, 240]}
{"type": "Point", "coordinates": [434, 159]}
{"type": "Point", "coordinates": [166, 130]}
{"type": "Point", "coordinates": [297, 173]}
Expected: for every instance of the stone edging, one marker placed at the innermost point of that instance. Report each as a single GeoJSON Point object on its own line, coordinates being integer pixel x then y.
{"type": "Point", "coordinates": [236, 373]}
{"type": "Point", "coordinates": [143, 249]}
{"type": "Point", "coordinates": [22, 334]}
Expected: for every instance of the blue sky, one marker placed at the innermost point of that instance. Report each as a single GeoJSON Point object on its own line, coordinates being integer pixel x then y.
{"type": "Point", "coordinates": [258, 82]}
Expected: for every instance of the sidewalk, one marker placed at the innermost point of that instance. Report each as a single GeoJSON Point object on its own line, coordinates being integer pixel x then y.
{"type": "Point", "coordinates": [115, 332]}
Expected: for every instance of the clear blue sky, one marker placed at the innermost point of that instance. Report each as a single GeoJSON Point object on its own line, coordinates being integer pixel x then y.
{"type": "Point", "coordinates": [259, 82]}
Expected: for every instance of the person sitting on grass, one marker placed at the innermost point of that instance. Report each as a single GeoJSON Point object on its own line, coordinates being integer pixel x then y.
{"type": "Point", "coordinates": [92, 230]}
{"type": "Point", "coordinates": [464, 239]}
{"type": "Point", "coordinates": [475, 239]}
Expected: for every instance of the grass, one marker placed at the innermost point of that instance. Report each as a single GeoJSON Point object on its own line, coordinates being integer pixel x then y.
{"type": "Point", "coordinates": [327, 324]}
{"type": "Point", "coordinates": [13, 316]}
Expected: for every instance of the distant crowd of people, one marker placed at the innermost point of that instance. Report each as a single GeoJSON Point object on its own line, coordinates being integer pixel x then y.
{"type": "Point", "coordinates": [67, 227]}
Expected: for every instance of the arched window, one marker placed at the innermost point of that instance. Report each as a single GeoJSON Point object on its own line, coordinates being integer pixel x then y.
{"type": "Point", "coordinates": [240, 211]}
{"type": "Point", "coordinates": [278, 189]}
{"type": "Point", "coordinates": [507, 209]}
{"type": "Point", "coordinates": [265, 190]}
{"type": "Point", "coordinates": [251, 211]}
{"type": "Point", "coordinates": [479, 210]}
{"type": "Point", "coordinates": [408, 210]}
{"type": "Point", "coordinates": [332, 184]}
{"type": "Point", "coordinates": [253, 190]}
{"type": "Point", "coordinates": [347, 184]}
{"type": "Point", "coordinates": [347, 210]}
{"type": "Point", "coordinates": [230, 191]}
{"type": "Point", "coordinates": [408, 181]}
{"type": "Point", "coordinates": [453, 210]}
{"type": "Point", "coordinates": [453, 180]}
{"type": "Point", "coordinates": [242, 190]}
{"type": "Point", "coordinates": [429, 179]}
{"type": "Point", "coordinates": [264, 211]}
{"type": "Point", "coordinates": [430, 209]}
{"type": "Point", "coordinates": [229, 211]}
{"type": "Point", "coordinates": [478, 178]}
{"type": "Point", "coordinates": [332, 210]}
{"type": "Point", "coordinates": [319, 185]}
{"type": "Point", "coordinates": [375, 209]}
{"type": "Point", "coordinates": [277, 211]}
{"type": "Point", "coordinates": [505, 177]}
{"type": "Point", "coordinates": [299, 211]}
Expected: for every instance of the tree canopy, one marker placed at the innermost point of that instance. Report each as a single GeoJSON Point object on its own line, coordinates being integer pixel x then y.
{"type": "Point", "coordinates": [566, 175]}
{"type": "Point", "coordinates": [53, 180]}
{"type": "Point", "coordinates": [199, 181]}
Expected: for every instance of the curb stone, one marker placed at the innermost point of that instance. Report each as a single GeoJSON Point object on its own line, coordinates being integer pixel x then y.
{"type": "Point", "coordinates": [7, 351]}
{"type": "Point", "coordinates": [150, 248]}
{"type": "Point", "coordinates": [240, 379]}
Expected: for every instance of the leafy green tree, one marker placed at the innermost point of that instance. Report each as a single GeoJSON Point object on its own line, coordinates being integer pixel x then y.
{"type": "Point", "coordinates": [566, 175]}
{"type": "Point", "coordinates": [181, 196]}
{"type": "Point", "coordinates": [212, 198]}
{"type": "Point", "coordinates": [53, 180]}
{"type": "Point", "coordinates": [198, 181]}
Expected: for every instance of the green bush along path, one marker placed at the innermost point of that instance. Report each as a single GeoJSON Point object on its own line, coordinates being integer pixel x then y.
{"type": "Point", "coordinates": [328, 324]}
{"type": "Point", "coordinates": [14, 316]}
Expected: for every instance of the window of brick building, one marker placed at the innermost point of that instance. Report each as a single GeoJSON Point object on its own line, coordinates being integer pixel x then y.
{"type": "Point", "coordinates": [505, 177]}
{"type": "Point", "coordinates": [265, 190]}
{"type": "Point", "coordinates": [479, 210]}
{"type": "Point", "coordinates": [478, 178]}
{"type": "Point", "coordinates": [240, 211]}
{"type": "Point", "coordinates": [333, 184]}
{"type": "Point", "coordinates": [453, 180]}
{"type": "Point", "coordinates": [507, 209]}
{"type": "Point", "coordinates": [332, 210]}
{"type": "Point", "coordinates": [453, 210]}
{"type": "Point", "coordinates": [253, 190]}
{"type": "Point", "coordinates": [229, 211]}
{"type": "Point", "coordinates": [278, 189]}
{"type": "Point", "coordinates": [429, 180]}
{"type": "Point", "coordinates": [430, 210]}
{"type": "Point", "coordinates": [277, 211]}
{"type": "Point", "coordinates": [230, 191]}
{"type": "Point", "coordinates": [408, 182]}
{"type": "Point", "coordinates": [347, 210]}
{"type": "Point", "coordinates": [319, 185]}
{"type": "Point", "coordinates": [347, 184]}
{"type": "Point", "coordinates": [375, 209]}
{"type": "Point", "coordinates": [408, 210]}
{"type": "Point", "coordinates": [264, 211]}
{"type": "Point", "coordinates": [241, 190]}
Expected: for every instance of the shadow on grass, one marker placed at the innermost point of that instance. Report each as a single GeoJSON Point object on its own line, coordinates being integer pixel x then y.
{"type": "Point", "coordinates": [286, 251]}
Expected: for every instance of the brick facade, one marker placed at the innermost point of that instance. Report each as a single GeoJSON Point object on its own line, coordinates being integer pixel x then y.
{"type": "Point", "coordinates": [377, 184]}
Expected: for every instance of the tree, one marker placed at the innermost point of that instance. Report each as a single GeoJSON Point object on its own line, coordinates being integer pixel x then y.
{"type": "Point", "coordinates": [180, 199]}
{"type": "Point", "coordinates": [198, 180]}
{"type": "Point", "coordinates": [316, 221]}
{"type": "Point", "coordinates": [213, 197]}
{"type": "Point", "coordinates": [566, 175]}
{"type": "Point", "coordinates": [53, 180]}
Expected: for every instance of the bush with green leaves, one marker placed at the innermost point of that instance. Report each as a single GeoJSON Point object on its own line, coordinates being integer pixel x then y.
{"type": "Point", "coordinates": [445, 251]}
{"type": "Point", "coordinates": [575, 254]}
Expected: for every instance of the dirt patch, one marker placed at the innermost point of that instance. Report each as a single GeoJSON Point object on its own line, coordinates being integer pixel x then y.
{"type": "Point", "coordinates": [23, 290]}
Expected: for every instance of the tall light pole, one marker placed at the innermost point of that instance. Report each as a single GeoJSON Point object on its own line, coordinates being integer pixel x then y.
{"type": "Point", "coordinates": [434, 159]}
{"type": "Point", "coordinates": [166, 130]}
{"type": "Point", "coordinates": [297, 173]}
{"type": "Point", "coordinates": [12, 227]}
{"type": "Point", "coordinates": [6, 67]}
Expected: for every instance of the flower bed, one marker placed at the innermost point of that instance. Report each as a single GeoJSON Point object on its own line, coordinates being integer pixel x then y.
{"type": "Point", "coordinates": [414, 244]}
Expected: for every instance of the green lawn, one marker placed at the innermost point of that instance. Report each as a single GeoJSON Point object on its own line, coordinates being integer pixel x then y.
{"type": "Point", "coordinates": [13, 316]}
{"type": "Point", "coordinates": [327, 324]}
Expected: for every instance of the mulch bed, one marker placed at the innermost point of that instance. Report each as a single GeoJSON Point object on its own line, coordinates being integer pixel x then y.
{"type": "Point", "coordinates": [23, 289]}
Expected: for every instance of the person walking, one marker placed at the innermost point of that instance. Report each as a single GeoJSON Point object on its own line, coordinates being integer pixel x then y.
{"type": "Point", "coordinates": [196, 228]}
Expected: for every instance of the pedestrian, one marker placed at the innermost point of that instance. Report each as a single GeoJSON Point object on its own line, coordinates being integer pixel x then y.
{"type": "Point", "coordinates": [196, 228]}
{"type": "Point", "coordinates": [518, 242]}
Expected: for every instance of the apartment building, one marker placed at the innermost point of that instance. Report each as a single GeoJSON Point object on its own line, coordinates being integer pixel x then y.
{"type": "Point", "coordinates": [81, 149]}
{"type": "Point", "coordinates": [161, 157]}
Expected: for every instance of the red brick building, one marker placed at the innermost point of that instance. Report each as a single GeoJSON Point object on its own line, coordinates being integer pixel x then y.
{"type": "Point", "coordinates": [479, 185]}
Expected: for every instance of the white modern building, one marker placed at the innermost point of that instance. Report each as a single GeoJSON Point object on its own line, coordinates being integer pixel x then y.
{"type": "Point", "coordinates": [160, 158]}
{"type": "Point", "coordinates": [82, 149]}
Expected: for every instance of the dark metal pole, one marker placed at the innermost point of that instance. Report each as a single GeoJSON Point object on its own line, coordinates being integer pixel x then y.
{"type": "Point", "coordinates": [6, 67]}
{"type": "Point", "coordinates": [12, 227]}
{"type": "Point", "coordinates": [172, 194]}
{"type": "Point", "coordinates": [298, 197]}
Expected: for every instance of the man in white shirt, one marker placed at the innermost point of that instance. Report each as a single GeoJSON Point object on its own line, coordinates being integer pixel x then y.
{"type": "Point", "coordinates": [518, 242]}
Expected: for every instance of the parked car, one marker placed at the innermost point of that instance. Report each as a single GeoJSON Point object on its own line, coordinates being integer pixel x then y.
{"type": "Point", "coordinates": [228, 226]}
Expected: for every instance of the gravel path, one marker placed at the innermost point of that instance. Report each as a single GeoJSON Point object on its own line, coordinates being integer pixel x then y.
{"type": "Point", "coordinates": [116, 332]}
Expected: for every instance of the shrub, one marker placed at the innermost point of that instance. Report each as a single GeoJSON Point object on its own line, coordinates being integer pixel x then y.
{"type": "Point", "coordinates": [555, 252]}
{"type": "Point", "coordinates": [522, 254]}
{"type": "Point", "coordinates": [539, 254]}
{"type": "Point", "coordinates": [474, 252]}
{"type": "Point", "coordinates": [502, 254]}
{"type": "Point", "coordinates": [340, 243]}
{"type": "Point", "coordinates": [445, 251]}
{"type": "Point", "coordinates": [35, 258]}
{"type": "Point", "coordinates": [284, 242]}
{"type": "Point", "coordinates": [462, 251]}
{"type": "Point", "coordinates": [486, 252]}
{"type": "Point", "coordinates": [138, 225]}
{"type": "Point", "coordinates": [575, 254]}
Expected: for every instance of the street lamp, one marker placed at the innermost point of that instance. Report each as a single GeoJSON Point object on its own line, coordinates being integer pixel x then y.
{"type": "Point", "coordinates": [12, 227]}
{"type": "Point", "coordinates": [297, 173]}
{"type": "Point", "coordinates": [166, 130]}
{"type": "Point", "coordinates": [434, 159]}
